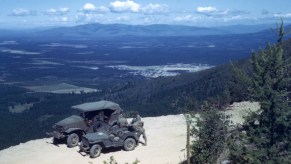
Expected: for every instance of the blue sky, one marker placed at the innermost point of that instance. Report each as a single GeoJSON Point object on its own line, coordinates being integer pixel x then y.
{"type": "Point", "coordinates": [43, 13]}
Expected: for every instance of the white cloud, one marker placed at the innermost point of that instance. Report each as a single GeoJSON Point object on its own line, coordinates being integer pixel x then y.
{"type": "Point", "coordinates": [124, 6]}
{"type": "Point", "coordinates": [102, 9]}
{"type": "Point", "coordinates": [155, 9]}
{"type": "Point", "coordinates": [22, 12]}
{"type": "Point", "coordinates": [89, 13]}
{"type": "Point", "coordinates": [234, 18]}
{"type": "Point", "coordinates": [89, 7]}
{"type": "Point", "coordinates": [83, 17]}
{"type": "Point", "coordinates": [188, 18]}
{"type": "Point", "coordinates": [64, 9]}
{"type": "Point", "coordinates": [214, 12]}
{"type": "Point", "coordinates": [206, 10]}
{"type": "Point", "coordinates": [131, 6]}
{"type": "Point", "coordinates": [89, 17]}
{"type": "Point", "coordinates": [51, 11]}
{"type": "Point", "coordinates": [61, 11]}
{"type": "Point", "coordinates": [284, 15]}
{"type": "Point", "coordinates": [63, 19]}
{"type": "Point", "coordinates": [150, 20]}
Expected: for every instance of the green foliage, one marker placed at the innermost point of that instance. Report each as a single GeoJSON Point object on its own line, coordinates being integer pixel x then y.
{"type": "Point", "coordinates": [113, 161]}
{"type": "Point", "coordinates": [239, 85]}
{"type": "Point", "coordinates": [265, 137]}
{"type": "Point", "coordinates": [210, 131]}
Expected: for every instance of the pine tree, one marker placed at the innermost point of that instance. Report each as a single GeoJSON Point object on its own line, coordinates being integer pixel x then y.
{"type": "Point", "coordinates": [266, 134]}
{"type": "Point", "coordinates": [239, 85]}
{"type": "Point", "coordinates": [210, 131]}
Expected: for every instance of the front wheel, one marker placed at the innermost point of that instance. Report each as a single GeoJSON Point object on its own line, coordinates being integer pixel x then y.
{"type": "Point", "coordinates": [129, 144]}
{"type": "Point", "coordinates": [95, 151]}
{"type": "Point", "coordinates": [73, 140]}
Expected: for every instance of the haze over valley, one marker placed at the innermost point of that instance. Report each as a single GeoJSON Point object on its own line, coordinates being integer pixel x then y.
{"type": "Point", "coordinates": [151, 57]}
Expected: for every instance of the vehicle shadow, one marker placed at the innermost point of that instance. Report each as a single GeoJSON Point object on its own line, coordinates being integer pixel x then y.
{"type": "Point", "coordinates": [111, 150]}
{"type": "Point", "coordinates": [57, 142]}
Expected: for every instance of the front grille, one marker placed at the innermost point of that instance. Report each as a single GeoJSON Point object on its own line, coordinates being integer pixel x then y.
{"type": "Point", "coordinates": [59, 128]}
{"type": "Point", "coordinates": [85, 142]}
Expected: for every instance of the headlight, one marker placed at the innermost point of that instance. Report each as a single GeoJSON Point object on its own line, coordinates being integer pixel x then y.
{"type": "Point", "coordinates": [59, 128]}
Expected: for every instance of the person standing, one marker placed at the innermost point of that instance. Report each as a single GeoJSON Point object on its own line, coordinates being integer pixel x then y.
{"type": "Point", "coordinates": [138, 126]}
{"type": "Point", "coordinates": [122, 121]}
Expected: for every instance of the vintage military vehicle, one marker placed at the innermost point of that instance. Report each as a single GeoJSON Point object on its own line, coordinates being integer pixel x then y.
{"type": "Point", "coordinates": [92, 117]}
{"type": "Point", "coordinates": [117, 136]}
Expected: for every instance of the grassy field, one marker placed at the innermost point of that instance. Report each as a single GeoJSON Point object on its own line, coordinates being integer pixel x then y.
{"type": "Point", "coordinates": [61, 88]}
{"type": "Point", "coordinates": [19, 108]}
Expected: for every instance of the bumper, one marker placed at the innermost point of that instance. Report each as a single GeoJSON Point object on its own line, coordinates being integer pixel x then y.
{"type": "Point", "coordinates": [56, 134]}
{"type": "Point", "coordinates": [84, 148]}
{"type": "Point", "coordinates": [84, 145]}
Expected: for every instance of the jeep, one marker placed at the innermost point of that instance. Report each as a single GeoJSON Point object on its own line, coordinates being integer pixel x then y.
{"type": "Point", "coordinates": [125, 137]}
{"type": "Point", "coordinates": [93, 117]}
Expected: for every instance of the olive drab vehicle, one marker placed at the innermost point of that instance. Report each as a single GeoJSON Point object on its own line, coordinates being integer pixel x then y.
{"type": "Point", "coordinates": [94, 117]}
{"type": "Point", "coordinates": [117, 136]}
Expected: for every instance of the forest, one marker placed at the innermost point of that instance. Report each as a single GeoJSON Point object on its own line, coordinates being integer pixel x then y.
{"type": "Point", "coordinates": [154, 97]}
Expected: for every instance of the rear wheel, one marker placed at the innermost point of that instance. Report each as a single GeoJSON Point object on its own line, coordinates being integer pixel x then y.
{"type": "Point", "coordinates": [73, 140]}
{"type": "Point", "coordinates": [129, 144]}
{"type": "Point", "coordinates": [95, 151]}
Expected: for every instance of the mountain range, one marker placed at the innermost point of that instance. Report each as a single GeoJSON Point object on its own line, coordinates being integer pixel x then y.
{"type": "Point", "coordinates": [102, 30]}
{"type": "Point", "coordinates": [159, 96]}
{"type": "Point", "coordinates": [157, 30]}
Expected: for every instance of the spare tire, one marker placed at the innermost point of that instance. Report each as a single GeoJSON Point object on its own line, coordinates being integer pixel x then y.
{"type": "Point", "coordinates": [120, 133]}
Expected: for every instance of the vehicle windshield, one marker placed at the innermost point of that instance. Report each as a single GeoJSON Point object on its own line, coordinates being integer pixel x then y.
{"type": "Point", "coordinates": [79, 113]}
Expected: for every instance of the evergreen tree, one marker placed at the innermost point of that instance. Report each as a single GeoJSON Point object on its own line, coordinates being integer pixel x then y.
{"type": "Point", "coordinates": [210, 131]}
{"type": "Point", "coordinates": [266, 136]}
{"type": "Point", "coordinates": [239, 85]}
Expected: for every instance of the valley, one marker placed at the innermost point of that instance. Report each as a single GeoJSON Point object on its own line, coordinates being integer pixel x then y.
{"type": "Point", "coordinates": [42, 77]}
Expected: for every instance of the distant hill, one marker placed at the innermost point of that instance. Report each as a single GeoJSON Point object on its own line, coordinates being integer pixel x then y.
{"type": "Point", "coordinates": [96, 30]}
{"type": "Point", "coordinates": [243, 29]}
{"type": "Point", "coordinates": [103, 30]}
{"type": "Point", "coordinates": [158, 30]}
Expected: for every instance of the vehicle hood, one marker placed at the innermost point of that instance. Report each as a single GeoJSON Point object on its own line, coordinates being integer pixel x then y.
{"type": "Point", "coordinates": [96, 137]}
{"type": "Point", "coordinates": [72, 121]}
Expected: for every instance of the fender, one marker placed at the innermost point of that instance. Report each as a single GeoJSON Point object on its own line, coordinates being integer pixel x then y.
{"type": "Point", "coordinates": [70, 130]}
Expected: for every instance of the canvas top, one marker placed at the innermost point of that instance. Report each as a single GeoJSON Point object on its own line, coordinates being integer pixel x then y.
{"type": "Point", "coordinates": [99, 105]}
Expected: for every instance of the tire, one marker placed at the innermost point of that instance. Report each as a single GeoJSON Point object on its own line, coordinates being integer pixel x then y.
{"type": "Point", "coordinates": [129, 144]}
{"type": "Point", "coordinates": [95, 151]}
{"type": "Point", "coordinates": [73, 140]}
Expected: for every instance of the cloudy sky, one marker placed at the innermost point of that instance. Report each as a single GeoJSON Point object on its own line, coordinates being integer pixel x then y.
{"type": "Point", "coordinates": [43, 13]}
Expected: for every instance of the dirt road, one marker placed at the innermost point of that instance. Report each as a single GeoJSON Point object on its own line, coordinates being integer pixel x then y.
{"type": "Point", "coordinates": [166, 143]}
{"type": "Point", "coordinates": [166, 140]}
